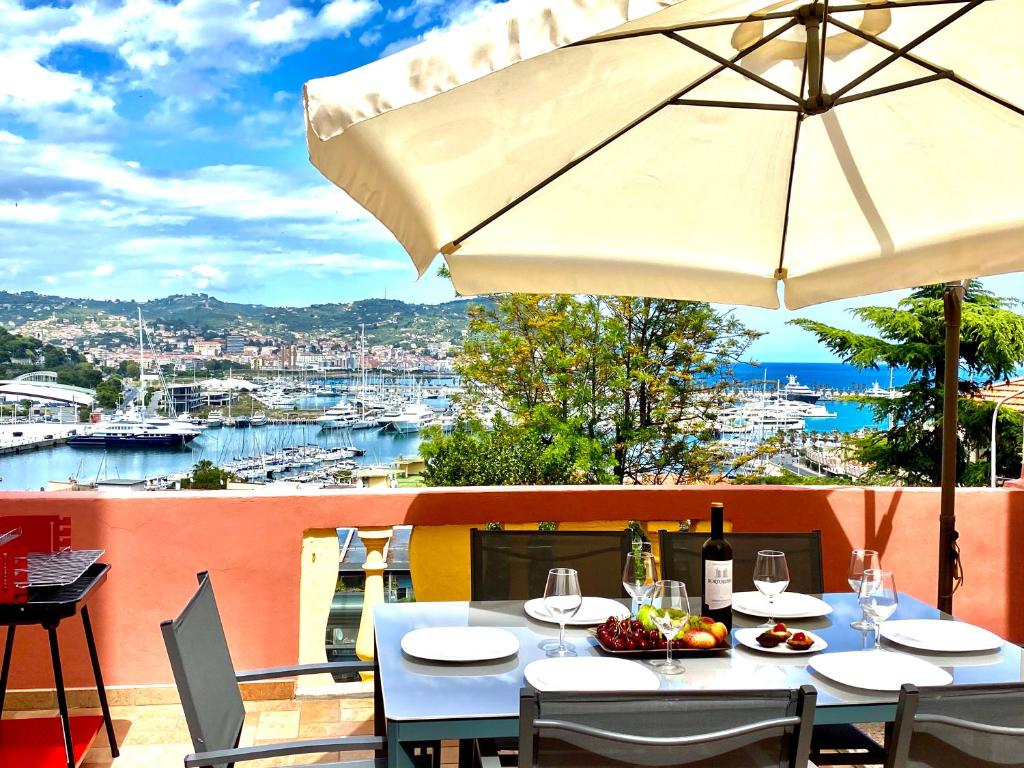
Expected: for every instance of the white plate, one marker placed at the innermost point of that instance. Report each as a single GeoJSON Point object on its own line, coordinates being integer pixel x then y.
{"type": "Point", "coordinates": [788, 605]}
{"type": "Point", "coordinates": [878, 670]}
{"type": "Point", "coordinates": [590, 673]}
{"type": "Point", "coordinates": [460, 643]}
{"type": "Point", "coordinates": [748, 637]}
{"type": "Point", "coordinates": [593, 611]}
{"type": "Point", "coordinates": [942, 636]}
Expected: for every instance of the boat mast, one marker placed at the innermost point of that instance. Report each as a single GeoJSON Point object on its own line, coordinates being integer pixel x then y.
{"type": "Point", "coordinates": [142, 366]}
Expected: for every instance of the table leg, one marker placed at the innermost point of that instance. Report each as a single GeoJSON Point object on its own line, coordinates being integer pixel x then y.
{"type": "Point", "coordinates": [400, 755]}
{"type": "Point", "coordinates": [101, 691]}
{"type": "Point", "coordinates": [62, 702]}
{"type": "Point", "coordinates": [6, 668]}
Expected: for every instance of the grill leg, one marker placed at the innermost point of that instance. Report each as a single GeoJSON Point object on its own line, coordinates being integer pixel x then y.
{"type": "Point", "coordinates": [6, 668]}
{"type": "Point", "coordinates": [62, 701]}
{"type": "Point", "coordinates": [101, 692]}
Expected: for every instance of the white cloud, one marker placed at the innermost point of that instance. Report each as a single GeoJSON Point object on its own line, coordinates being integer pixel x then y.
{"type": "Point", "coordinates": [191, 51]}
{"type": "Point", "coordinates": [102, 270]}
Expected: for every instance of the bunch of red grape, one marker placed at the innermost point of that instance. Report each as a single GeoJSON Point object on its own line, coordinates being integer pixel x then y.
{"type": "Point", "coordinates": [629, 635]}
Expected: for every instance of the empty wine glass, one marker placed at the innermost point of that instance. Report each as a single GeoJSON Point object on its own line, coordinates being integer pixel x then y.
{"type": "Point", "coordinates": [638, 576]}
{"type": "Point", "coordinates": [670, 611]}
{"type": "Point", "coordinates": [562, 599]}
{"type": "Point", "coordinates": [771, 577]}
{"type": "Point", "coordinates": [860, 561]}
{"type": "Point", "coordinates": [878, 598]}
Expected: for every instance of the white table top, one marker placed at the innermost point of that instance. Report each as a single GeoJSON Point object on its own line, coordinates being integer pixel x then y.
{"type": "Point", "coordinates": [416, 690]}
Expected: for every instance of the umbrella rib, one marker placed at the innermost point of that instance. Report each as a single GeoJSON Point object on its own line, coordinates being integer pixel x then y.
{"type": "Point", "coordinates": [733, 66]}
{"type": "Point", "coordinates": [901, 52]}
{"type": "Point", "coordinates": [895, 4]}
{"type": "Point", "coordinates": [457, 242]}
{"type": "Point", "coordinates": [736, 105]}
{"type": "Point", "coordinates": [895, 87]}
{"type": "Point", "coordinates": [692, 25]}
{"type": "Point", "coordinates": [913, 58]}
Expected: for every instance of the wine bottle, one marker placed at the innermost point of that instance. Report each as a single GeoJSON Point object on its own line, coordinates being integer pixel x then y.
{"type": "Point", "coordinates": [716, 571]}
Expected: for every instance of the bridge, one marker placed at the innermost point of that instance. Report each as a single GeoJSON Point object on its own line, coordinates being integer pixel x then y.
{"type": "Point", "coordinates": [42, 386]}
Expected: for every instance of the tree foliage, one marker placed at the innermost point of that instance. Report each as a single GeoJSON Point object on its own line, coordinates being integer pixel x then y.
{"type": "Point", "coordinates": [912, 335]}
{"type": "Point", "coordinates": [623, 389]}
{"type": "Point", "coordinates": [207, 477]}
{"type": "Point", "coordinates": [504, 454]}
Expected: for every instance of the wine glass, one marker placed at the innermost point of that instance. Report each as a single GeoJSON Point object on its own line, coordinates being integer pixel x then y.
{"type": "Point", "coordinates": [771, 577]}
{"type": "Point", "coordinates": [670, 611]}
{"type": "Point", "coordinates": [860, 561]}
{"type": "Point", "coordinates": [878, 598]}
{"type": "Point", "coordinates": [638, 576]}
{"type": "Point", "coordinates": [562, 599]}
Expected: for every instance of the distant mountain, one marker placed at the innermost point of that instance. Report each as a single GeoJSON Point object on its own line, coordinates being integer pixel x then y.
{"type": "Point", "coordinates": [386, 320]}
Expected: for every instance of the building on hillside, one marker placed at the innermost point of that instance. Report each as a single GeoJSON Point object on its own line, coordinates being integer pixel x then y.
{"type": "Point", "coordinates": [234, 345]}
{"type": "Point", "coordinates": [211, 348]}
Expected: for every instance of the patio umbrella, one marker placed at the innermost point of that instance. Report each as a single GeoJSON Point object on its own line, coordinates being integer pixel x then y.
{"type": "Point", "coordinates": [705, 149]}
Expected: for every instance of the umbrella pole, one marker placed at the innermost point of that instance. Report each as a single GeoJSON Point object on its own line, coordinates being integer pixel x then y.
{"type": "Point", "coordinates": [952, 301]}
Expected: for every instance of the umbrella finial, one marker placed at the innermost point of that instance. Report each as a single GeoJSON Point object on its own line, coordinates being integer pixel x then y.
{"type": "Point", "coordinates": [781, 273]}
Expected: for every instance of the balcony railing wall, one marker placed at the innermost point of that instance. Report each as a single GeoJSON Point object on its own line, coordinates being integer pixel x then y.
{"type": "Point", "coordinates": [254, 548]}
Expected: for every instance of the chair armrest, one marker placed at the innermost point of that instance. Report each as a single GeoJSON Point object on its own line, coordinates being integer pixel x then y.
{"type": "Point", "coordinates": [285, 749]}
{"type": "Point", "coordinates": [304, 669]}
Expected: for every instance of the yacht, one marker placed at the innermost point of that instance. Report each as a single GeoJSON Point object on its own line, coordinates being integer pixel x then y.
{"type": "Point", "coordinates": [127, 434]}
{"type": "Point", "coordinates": [243, 421]}
{"type": "Point", "coordinates": [794, 390]}
{"type": "Point", "coordinates": [413, 418]}
{"type": "Point", "coordinates": [341, 416]}
{"type": "Point", "coordinates": [876, 390]}
{"type": "Point", "coordinates": [258, 419]}
{"type": "Point", "coordinates": [215, 419]}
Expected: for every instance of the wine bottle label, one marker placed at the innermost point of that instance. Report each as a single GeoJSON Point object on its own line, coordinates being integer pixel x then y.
{"type": "Point", "coordinates": [718, 583]}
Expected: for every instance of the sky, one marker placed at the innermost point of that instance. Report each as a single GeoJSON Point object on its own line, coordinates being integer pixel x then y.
{"type": "Point", "coordinates": [150, 148]}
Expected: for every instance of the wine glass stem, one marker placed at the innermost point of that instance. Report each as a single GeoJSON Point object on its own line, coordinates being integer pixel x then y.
{"type": "Point", "coordinates": [878, 634]}
{"type": "Point", "coordinates": [668, 653]}
{"type": "Point", "coordinates": [771, 609]}
{"type": "Point", "coordinates": [561, 637]}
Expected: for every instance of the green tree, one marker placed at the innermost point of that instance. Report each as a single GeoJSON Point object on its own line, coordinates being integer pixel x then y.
{"type": "Point", "coordinates": [912, 335]}
{"type": "Point", "coordinates": [80, 375]}
{"type": "Point", "coordinates": [207, 477]}
{"type": "Point", "coordinates": [504, 454]}
{"type": "Point", "coordinates": [108, 392]}
{"type": "Point", "coordinates": [628, 387]}
{"type": "Point", "coordinates": [128, 369]}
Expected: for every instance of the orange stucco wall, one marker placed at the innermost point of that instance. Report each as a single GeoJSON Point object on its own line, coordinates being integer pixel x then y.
{"type": "Point", "coordinates": [251, 544]}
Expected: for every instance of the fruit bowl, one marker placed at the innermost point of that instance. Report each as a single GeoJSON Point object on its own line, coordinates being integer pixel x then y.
{"type": "Point", "coordinates": [630, 637]}
{"type": "Point", "coordinates": [653, 653]}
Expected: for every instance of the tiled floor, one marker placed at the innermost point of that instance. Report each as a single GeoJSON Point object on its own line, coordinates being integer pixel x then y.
{"type": "Point", "coordinates": [155, 736]}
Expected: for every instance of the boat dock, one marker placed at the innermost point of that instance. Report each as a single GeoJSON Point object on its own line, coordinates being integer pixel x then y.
{"type": "Point", "coordinates": [21, 438]}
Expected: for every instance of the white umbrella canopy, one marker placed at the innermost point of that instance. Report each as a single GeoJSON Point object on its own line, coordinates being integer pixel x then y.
{"type": "Point", "coordinates": [703, 149]}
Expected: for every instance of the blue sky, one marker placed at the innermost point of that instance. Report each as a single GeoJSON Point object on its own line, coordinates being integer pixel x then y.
{"type": "Point", "coordinates": [150, 148]}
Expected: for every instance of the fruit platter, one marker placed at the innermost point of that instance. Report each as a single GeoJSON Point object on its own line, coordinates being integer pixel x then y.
{"type": "Point", "coordinates": [640, 636]}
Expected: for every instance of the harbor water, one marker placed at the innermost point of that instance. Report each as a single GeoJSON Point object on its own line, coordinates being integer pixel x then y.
{"type": "Point", "coordinates": [34, 469]}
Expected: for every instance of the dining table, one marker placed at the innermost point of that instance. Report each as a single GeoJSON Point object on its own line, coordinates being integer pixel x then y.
{"type": "Point", "coordinates": [419, 701]}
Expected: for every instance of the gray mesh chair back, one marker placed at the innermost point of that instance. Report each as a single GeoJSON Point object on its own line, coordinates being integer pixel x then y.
{"type": "Point", "coordinates": [965, 726]}
{"type": "Point", "coordinates": [680, 558]}
{"type": "Point", "coordinates": [697, 729]}
{"type": "Point", "coordinates": [204, 673]}
{"type": "Point", "coordinates": [514, 565]}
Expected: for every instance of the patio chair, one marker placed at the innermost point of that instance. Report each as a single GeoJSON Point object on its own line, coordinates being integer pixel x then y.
{"type": "Point", "coordinates": [697, 729]}
{"type": "Point", "coordinates": [681, 560]}
{"type": "Point", "coordinates": [514, 565]}
{"type": "Point", "coordinates": [208, 686]}
{"type": "Point", "coordinates": [963, 726]}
